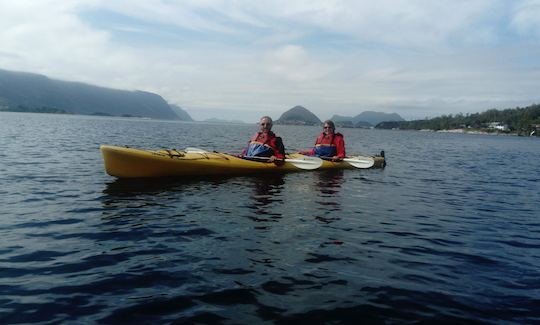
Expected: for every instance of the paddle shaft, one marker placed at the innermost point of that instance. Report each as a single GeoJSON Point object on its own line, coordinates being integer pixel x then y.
{"type": "Point", "coordinates": [355, 162]}
{"type": "Point", "coordinates": [312, 160]}
{"type": "Point", "coordinates": [308, 163]}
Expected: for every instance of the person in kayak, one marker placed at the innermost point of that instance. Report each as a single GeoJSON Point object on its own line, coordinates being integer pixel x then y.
{"type": "Point", "coordinates": [265, 143]}
{"type": "Point", "coordinates": [329, 144]}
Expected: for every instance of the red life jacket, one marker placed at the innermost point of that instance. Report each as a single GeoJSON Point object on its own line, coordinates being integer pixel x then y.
{"type": "Point", "coordinates": [265, 145]}
{"type": "Point", "coordinates": [330, 145]}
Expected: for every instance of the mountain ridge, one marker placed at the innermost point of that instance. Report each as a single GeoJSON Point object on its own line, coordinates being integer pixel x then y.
{"type": "Point", "coordinates": [372, 118]}
{"type": "Point", "coordinates": [298, 115]}
{"type": "Point", "coordinates": [24, 91]}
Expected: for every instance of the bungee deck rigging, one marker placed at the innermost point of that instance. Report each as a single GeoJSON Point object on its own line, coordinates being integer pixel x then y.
{"type": "Point", "coordinates": [123, 162]}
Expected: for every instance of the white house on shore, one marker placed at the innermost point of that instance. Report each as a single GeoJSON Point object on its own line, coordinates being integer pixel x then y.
{"type": "Point", "coordinates": [498, 126]}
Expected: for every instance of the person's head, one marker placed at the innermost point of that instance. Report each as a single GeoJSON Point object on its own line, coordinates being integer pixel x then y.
{"type": "Point", "coordinates": [329, 127]}
{"type": "Point", "coordinates": [265, 123]}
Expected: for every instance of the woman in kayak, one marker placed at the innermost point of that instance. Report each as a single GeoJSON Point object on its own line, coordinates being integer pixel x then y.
{"type": "Point", "coordinates": [329, 144]}
{"type": "Point", "coordinates": [265, 143]}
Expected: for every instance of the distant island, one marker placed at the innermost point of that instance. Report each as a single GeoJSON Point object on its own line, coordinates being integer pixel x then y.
{"type": "Point", "coordinates": [518, 121]}
{"type": "Point", "coordinates": [300, 115]}
{"type": "Point", "coordinates": [28, 92]}
{"type": "Point", "coordinates": [34, 93]}
{"type": "Point", "coordinates": [366, 119]}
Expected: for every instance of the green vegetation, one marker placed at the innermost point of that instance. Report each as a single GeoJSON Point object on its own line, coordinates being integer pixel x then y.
{"type": "Point", "coordinates": [43, 109]}
{"type": "Point", "coordinates": [518, 120]}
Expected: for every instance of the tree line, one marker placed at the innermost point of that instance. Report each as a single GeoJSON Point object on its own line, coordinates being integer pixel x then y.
{"type": "Point", "coordinates": [518, 120]}
{"type": "Point", "coordinates": [26, 109]}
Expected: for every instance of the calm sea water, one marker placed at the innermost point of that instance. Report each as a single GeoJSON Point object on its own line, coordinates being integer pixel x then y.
{"type": "Point", "coordinates": [448, 232]}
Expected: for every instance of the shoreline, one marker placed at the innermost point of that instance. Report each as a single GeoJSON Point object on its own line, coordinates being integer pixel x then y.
{"type": "Point", "coordinates": [466, 131]}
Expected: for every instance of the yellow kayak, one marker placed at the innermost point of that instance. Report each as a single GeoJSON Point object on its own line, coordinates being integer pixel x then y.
{"type": "Point", "coordinates": [125, 162]}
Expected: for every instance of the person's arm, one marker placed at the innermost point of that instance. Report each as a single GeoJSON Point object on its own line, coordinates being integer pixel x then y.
{"type": "Point", "coordinates": [340, 147]}
{"type": "Point", "coordinates": [307, 152]}
{"type": "Point", "coordinates": [312, 151]}
{"type": "Point", "coordinates": [245, 151]}
{"type": "Point", "coordinates": [279, 152]}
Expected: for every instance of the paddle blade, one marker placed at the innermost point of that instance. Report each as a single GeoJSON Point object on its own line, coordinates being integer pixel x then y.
{"type": "Point", "coordinates": [195, 150]}
{"type": "Point", "coordinates": [360, 162]}
{"type": "Point", "coordinates": [305, 162]}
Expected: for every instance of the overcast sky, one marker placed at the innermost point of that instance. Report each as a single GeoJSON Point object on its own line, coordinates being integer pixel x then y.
{"type": "Point", "coordinates": [243, 59]}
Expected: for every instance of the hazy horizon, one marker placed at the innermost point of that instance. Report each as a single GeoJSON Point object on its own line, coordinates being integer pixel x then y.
{"type": "Point", "coordinates": [240, 60]}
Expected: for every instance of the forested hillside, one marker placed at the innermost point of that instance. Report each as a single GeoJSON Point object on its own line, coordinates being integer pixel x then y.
{"type": "Point", "coordinates": [518, 120]}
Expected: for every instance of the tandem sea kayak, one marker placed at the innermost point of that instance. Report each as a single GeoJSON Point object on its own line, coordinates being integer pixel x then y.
{"type": "Point", "coordinates": [124, 162]}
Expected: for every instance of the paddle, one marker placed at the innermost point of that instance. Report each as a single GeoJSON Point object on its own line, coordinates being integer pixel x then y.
{"type": "Point", "coordinates": [358, 161]}
{"type": "Point", "coordinates": [195, 150]}
{"type": "Point", "coordinates": [306, 162]}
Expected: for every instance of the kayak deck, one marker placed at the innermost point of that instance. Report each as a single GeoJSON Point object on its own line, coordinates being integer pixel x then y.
{"type": "Point", "coordinates": [126, 162]}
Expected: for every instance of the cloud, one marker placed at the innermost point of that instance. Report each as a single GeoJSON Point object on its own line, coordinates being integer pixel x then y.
{"type": "Point", "coordinates": [526, 18]}
{"type": "Point", "coordinates": [391, 22]}
{"type": "Point", "coordinates": [293, 63]}
{"type": "Point", "coordinates": [47, 37]}
{"type": "Point", "coordinates": [255, 56]}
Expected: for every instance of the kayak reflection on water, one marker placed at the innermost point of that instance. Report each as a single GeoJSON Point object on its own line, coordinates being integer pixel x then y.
{"type": "Point", "coordinates": [329, 183]}
{"type": "Point", "coordinates": [266, 191]}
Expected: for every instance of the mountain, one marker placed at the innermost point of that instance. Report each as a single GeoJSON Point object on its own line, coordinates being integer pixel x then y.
{"type": "Point", "coordinates": [363, 125]}
{"type": "Point", "coordinates": [20, 91]}
{"type": "Point", "coordinates": [183, 115]}
{"type": "Point", "coordinates": [344, 121]}
{"type": "Point", "coordinates": [340, 118]}
{"type": "Point", "coordinates": [375, 118]}
{"type": "Point", "coordinates": [298, 115]}
{"type": "Point", "coordinates": [366, 119]}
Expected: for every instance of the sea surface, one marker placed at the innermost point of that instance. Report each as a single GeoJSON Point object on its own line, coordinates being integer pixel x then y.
{"type": "Point", "coordinates": [448, 232]}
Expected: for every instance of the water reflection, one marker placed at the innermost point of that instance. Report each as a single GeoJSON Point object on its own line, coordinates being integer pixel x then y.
{"type": "Point", "coordinates": [259, 195]}
{"type": "Point", "coordinates": [148, 196]}
{"type": "Point", "coordinates": [266, 193]}
{"type": "Point", "coordinates": [329, 183]}
{"type": "Point", "coordinates": [121, 188]}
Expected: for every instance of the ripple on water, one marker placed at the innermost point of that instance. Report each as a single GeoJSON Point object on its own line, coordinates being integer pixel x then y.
{"type": "Point", "coordinates": [446, 234]}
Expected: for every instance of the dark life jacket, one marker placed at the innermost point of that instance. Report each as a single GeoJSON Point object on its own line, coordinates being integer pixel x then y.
{"type": "Point", "coordinates": [325, 146]}
{"type": "Point", "coordinates": [265, 145]}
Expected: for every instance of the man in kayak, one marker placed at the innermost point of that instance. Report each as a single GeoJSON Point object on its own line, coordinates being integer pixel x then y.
{"type": "Point", "coordinates": [329, 144]}
{"type": "Point", "coordinates": [265, 143]}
